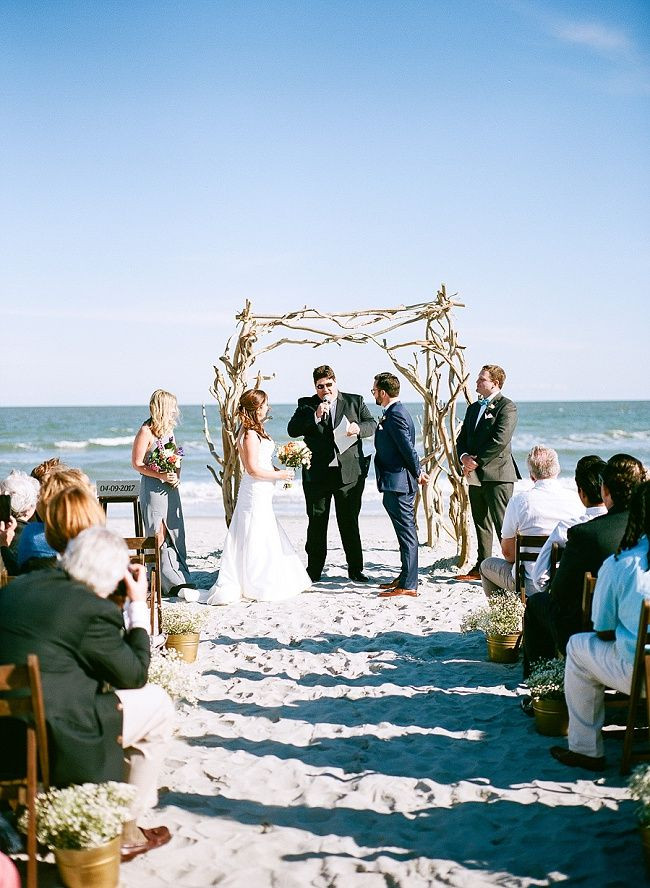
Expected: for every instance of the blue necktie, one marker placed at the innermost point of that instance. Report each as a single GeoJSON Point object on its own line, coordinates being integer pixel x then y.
{"type": "Point", "coordinates": [483, 401]}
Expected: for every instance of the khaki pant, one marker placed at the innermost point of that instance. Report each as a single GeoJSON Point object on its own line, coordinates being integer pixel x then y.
{"type": "Point", "coordinates": [148, 722]}
{"type": "Point", "coordinates": [591, 666]}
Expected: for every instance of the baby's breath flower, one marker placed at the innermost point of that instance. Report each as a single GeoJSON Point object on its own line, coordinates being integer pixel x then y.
{"type": "Point", "coordinates": [168, 669]}
{"type": "Point", "coordinates": [546, 680]}
{"type": "Point", "coordinates": [502, 616]}
{"type": "Point", "coordinates": [639, 784]}
{"type": "Point", "coordinates": [180, 619]}
{"type": "Point", "coordinates": [86, 815]}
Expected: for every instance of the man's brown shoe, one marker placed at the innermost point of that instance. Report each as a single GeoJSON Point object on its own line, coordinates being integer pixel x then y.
{"type": "Point", "coordinates": [392, 585]}
{"type": "Point", "coordinates": [577, 759]}
{"type": "Point", "coordinates": [471, 577]}
{"type": "Point", "coordinates": [390, 593]}
{"type": "Point", "coordinates": [153, 838]}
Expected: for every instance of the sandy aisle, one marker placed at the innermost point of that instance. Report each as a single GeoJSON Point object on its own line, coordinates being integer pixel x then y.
{"type": "Point", "coordinates": [342, 740]}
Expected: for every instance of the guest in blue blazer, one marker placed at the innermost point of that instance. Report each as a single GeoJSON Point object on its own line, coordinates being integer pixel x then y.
{"type": "Point", "coordinates": [398, 471]}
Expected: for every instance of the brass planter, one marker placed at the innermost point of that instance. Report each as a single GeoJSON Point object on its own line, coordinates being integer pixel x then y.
{"type": "Point", "coordinates": [551, 717]}
{"type": "Point", "coordinates": [645, 844]}
{"type": "Point", "coordinates": [503, 648]}
{"type": "Point", "coordinates": [90, 867]}
{"type": "Point", "coordinates": [186, 644]}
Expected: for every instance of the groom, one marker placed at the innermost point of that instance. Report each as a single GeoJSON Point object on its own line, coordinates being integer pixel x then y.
{"type": "Point", "coordinates": [398, 471]}
{"type": "Point", "coordinates": [333, 424]}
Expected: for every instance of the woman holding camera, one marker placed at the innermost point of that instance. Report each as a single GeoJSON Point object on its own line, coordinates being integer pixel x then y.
{"type": "Point", "coordinates": [157, 458]}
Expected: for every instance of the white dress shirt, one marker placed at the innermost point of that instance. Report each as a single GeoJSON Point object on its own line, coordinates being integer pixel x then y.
{"type": "Point", "coordinates": [541, 575]}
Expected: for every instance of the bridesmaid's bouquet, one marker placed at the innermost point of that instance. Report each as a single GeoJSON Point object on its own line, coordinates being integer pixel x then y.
{"type": "Point", "coordinates": [164, 457]}
{"type": "Point", "coordinates": [294, 455]}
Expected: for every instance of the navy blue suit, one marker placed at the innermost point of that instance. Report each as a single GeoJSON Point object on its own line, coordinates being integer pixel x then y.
{"type": "Point", "coordinates": [397, 467]}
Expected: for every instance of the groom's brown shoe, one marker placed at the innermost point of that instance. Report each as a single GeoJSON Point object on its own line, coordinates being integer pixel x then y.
{"type": "Point", "coordinates": [392, 585]}
{"type": "Point", "coordinates": [470, 577]}
{"type": "Point", "coordinates": [390, 593]}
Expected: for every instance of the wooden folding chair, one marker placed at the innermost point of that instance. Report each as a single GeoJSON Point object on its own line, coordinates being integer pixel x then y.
{"type": "Point", "coordinates": [588, 589]}
{"type": "Point", "coordinates": [523, 544]}
{"type": "Point", "coordinates": [638, 688]}
{"type": "Point", "coordinates": [21, 699]}
{"type": "Point", "coordinates": [556, 555]}
{"type": "Point", "coordinates": [147, 551]}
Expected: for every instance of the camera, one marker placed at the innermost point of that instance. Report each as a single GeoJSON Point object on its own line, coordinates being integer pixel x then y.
{"type": "Point", "coordinates": [5, 507]}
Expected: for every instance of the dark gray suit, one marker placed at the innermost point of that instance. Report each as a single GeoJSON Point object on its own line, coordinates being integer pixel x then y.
{"type": "Point", "coordinates": [84, 653]}
{"type": "Point", "coordinates": [491, 485]}
{"type": "Point", "coordinates": [344, 481]}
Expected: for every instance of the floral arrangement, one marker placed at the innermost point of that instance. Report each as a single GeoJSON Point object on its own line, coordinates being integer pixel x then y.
{"type": "Point", "coordinates": [83, 816]}
{"type": "Point", "coordinates": [164, 457]}
{"type": "Point", "coordinates": [502, 615]}
{"type": "Point", "coordinates": [168, 669]}
{"type": "Point", "coordinates": [294, 455]}
{"type": "Point", "coordinates": [180, 619]}
{"type": "Point", "coordinates": [639, 784]}
{"type": "Point", "coordinates": [546, 680]}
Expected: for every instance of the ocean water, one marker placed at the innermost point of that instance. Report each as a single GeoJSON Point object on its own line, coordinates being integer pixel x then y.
{"type": "Point", "coordinates": [98, 440]}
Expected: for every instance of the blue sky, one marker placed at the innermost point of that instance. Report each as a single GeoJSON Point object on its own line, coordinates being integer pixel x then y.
{"type": "Point", "coordinates": [160, 163]}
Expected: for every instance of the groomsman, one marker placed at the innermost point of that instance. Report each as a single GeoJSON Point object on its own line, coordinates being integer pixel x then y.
{"type": "Point", "coordinates": [484, 450]}
{"type": "Point", "coordinates": [337, 470]}
{"type": "Point", "coordinates": [398, 471]}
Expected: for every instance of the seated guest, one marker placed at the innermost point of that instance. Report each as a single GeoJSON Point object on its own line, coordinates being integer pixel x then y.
{"type": "Point", "coordinates": [589, 544]}
{"type": "Point", "coordinates": [551, 617]}
{"type": "Point", "coordinates": [68, 513]}
{"type": "Point", "coordinates": [605, 658]}
{"type": "Point", "coordinates": [23, 491]}
{"type": "Point", "coordinates": [34, 552]}
{"type": "Point", "coordinates": [42, 469]}
{"type": "Point", "coordinates": [534, 512]}
{"type": "Point", "coordinates": [538, 640]}
{"type": "Point", "coordinates": [64, 617]}
{"type": "Point", "coordinates": [587, 478]}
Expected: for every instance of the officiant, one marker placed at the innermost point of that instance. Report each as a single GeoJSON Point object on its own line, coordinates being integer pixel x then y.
{"type": "Point", "coordinates": [333, 424]}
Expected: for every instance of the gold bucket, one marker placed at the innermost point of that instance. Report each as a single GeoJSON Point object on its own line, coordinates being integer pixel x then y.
{"type": "Point", "coordinates": [90, 867]}
{"type": "Point", "coordinates": [186, 644]}
{"type": "Point", "coordinates": [503, 648]}
{"type": "Point", "coordinates": [551, 717]}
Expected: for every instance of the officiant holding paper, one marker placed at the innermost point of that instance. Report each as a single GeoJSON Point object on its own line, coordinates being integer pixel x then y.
{"type": "Point", "coordinates": [333, 424]}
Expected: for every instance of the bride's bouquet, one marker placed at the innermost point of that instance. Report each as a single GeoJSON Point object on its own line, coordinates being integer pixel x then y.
{"type": "Point", "coordinates": [164, 457]}
{"type": "Point", "coordinates": [294, 455]}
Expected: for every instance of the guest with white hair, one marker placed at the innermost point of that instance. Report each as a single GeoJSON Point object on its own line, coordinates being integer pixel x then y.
{"type": "Point", "coordinates": [533, 512]}
{"type": "Point", "coordinates": [101, 714]}
{"type": "Point", "coordinates": [23, 491]}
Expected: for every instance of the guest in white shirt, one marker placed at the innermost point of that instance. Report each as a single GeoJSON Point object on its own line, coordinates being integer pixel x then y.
{"type": "Point", "coordinates": [533, 512]}
{"type": "Point", "coordinates": [587, 478]}
{"type": "Point", "coordinates": [605, 658]}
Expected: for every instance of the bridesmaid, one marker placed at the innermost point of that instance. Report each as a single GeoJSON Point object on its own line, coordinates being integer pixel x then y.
{"type": "Point", "coordinates": [159, 495]}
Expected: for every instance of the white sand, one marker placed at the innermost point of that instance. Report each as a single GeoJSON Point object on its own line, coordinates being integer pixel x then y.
{"type": "Point", "coordinates": [345, 740]}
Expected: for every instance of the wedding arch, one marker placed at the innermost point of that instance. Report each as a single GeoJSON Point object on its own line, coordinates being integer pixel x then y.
{"type": "Point", "coordinates": [435, 369]}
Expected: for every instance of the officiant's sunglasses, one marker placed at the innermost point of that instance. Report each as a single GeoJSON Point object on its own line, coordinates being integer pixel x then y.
{"type": "Point", "coordinates": [325, 385]}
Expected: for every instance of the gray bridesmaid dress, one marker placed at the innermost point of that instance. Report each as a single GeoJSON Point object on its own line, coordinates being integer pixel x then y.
{"type": "Point", "coordinates": [160, 501]}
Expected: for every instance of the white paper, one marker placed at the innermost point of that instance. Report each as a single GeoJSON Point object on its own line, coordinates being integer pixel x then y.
{"type": "Point", "coordinates": [341, 438]}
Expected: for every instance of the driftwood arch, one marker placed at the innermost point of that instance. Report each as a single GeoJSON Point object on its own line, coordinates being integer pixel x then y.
{"type": "Point", "coordinates": [436, 370]}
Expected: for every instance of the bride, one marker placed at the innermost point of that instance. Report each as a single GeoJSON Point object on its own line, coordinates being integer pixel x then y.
{"type": "Point", "coordinates": [258, 562]}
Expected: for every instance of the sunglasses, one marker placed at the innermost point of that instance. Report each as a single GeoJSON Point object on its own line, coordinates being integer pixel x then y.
{"type": "Point", "coordinates": [324, 385]}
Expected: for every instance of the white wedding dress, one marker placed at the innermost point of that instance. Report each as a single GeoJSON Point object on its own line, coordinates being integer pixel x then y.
{"type": "Point", "coordinates": [258, 563]}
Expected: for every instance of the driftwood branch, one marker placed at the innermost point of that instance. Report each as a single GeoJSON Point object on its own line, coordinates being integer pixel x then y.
{"type": "Point", "coordinates": [437, 357]}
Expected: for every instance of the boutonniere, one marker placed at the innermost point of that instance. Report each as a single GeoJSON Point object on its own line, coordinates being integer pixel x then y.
{"type": "Point", "coordinates": [380, 424]}
{"type": "Point", "coordinates": [487, 415]}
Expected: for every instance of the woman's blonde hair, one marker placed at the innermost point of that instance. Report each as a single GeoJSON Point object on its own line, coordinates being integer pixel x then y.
{"type": "Point", "coordinates": [249, 403]}
{"type": "Point", "coordinates": [56, 481]}
{"type": "Point", "coordinates": [164, 412]}
{"type": "Point", "coordinates": [68, 513]}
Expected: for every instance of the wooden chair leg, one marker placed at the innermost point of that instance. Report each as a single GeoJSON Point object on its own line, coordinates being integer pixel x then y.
{"type": "Point", "coordinates": [31, 808]}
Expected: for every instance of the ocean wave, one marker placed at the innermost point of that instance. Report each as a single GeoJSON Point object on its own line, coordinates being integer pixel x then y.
{"type": "Point", "coordinates": [578, 441]}
{"type": "Point", "coordinates": [121, 441]}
